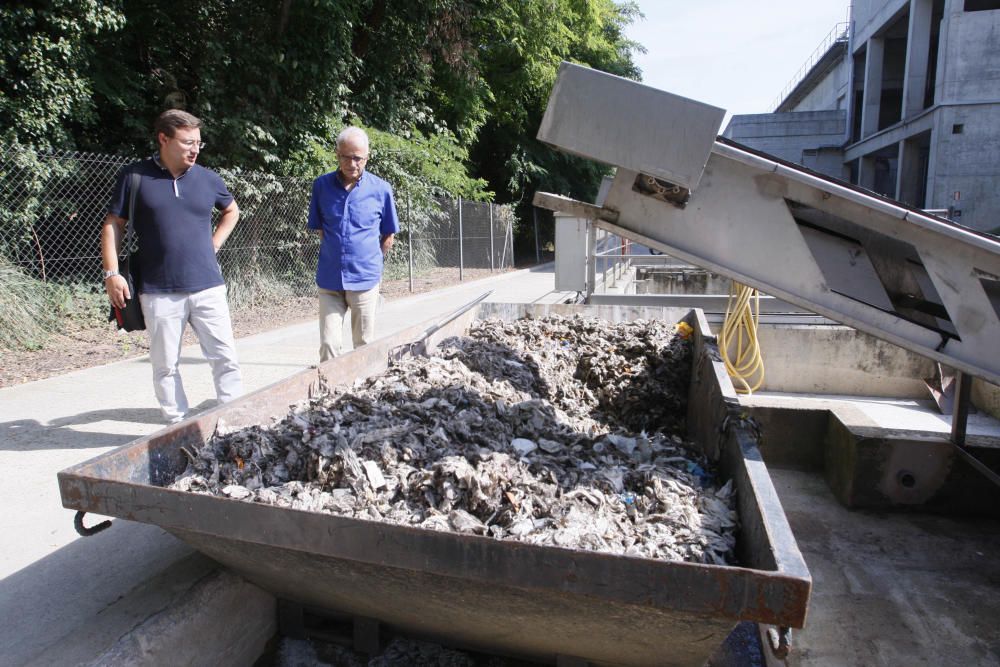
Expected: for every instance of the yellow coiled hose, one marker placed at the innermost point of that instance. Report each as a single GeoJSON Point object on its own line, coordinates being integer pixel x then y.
{"type": "Point", "coordinates": [738, 339]}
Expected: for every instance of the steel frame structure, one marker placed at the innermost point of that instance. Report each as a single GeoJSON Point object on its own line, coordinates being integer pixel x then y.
{"type": "Point", "coordinates": [857, 258]}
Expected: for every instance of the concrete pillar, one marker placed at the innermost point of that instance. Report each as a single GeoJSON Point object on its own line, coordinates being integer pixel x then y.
{"type": "Point", "coordinates": [909, 174]}
{"type": "Point", "coordinates": [866, 172]}
{"type": "Point", "coordinates": [571, 253]}
{"type": "Point", "coordinates": [933, 199]}
{"type": "Point", "coordinates": [873, 86]}
{"type": "Point", "coordinates": [942, 93]}
{"type": "Point", "coordinates": [918, 46]}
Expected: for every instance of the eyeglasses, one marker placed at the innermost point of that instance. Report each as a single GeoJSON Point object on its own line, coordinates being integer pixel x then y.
{"type": "Point", "coordinates": [191, 143]}
{"type": "Point", "coordinates": [356, 159]}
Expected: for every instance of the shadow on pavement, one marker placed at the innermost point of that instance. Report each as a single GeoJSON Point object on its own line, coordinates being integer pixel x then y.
{"type": "Point", "coordinates": [544, 267]}
{"type": "Point", "coordinates": [24, 435]}
{"type": "Point", "coordinates": [65, 599]}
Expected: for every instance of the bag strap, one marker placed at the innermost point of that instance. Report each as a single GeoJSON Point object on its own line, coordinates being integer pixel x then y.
{"type": "Point", "coordinates": [135, 179]}
{"type": "Point", "coordinates": [133, 191]}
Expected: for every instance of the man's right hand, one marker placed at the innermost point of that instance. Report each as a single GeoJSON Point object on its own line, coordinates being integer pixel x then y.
{"type": "Point", "coordinates": [117, 289]}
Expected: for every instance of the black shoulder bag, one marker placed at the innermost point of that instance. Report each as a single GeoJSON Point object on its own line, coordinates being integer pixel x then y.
{"type": "Point", "coordinates": [130, 317]}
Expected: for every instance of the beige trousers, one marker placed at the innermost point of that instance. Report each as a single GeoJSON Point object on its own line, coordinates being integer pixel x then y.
{"type": "Point", "coordinates": [208, 313]}
{"type": "Point", "coordinates": [333, 306]}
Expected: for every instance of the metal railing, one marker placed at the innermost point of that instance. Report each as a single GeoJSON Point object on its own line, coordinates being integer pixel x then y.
{"type": "Point", "coordinates": [609, 263]}
{"type": "Point", "coordinates": [52, 206]}
{"type": "Point", "coordinates": [614, 264]}
{"type": "Point", "coordinates": [839, 33]}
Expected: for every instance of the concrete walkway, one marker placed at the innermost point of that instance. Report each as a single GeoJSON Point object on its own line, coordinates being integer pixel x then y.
{"type": "Point", "coordinates": [60, 595]}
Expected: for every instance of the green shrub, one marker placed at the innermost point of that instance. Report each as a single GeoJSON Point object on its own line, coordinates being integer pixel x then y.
{"type": "Point", "coordinates": [31, 311]}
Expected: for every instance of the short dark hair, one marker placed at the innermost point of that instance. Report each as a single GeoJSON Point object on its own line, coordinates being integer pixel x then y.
{"type": "Point", "coordinates": [171, 120]}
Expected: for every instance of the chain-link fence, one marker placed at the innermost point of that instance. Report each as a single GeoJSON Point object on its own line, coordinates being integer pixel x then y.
{"type": "Point", "coordinates": [466, 237]}
{"type": "Point", "coordinates": [52, 206]}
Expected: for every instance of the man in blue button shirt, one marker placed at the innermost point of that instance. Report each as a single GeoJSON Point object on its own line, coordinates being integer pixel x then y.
{"type": "Point", "coordinates": [181, 279]}
{"type": "Point", "coordinates": [355, 215]}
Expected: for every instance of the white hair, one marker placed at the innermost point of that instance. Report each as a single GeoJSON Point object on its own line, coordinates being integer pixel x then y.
{"type": "Point", "coordinates": [352, 133]}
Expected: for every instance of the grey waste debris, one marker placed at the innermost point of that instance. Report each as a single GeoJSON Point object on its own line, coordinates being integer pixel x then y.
{"type": "Point", "coordinates": [556, 431]}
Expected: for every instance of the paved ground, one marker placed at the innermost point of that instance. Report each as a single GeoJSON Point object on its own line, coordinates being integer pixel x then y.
{"type": "Point", "coordinates": [892, 588]}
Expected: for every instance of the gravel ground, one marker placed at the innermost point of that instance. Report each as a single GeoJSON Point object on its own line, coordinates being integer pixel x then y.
{"type": "Point", "coordinates": [87, 346]}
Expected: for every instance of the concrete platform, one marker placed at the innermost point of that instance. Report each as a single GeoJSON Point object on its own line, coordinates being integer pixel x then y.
{"type": "Point", "coordinates": [916, 417]}
{"type": "Point", "coordinates": [892, 588]}
{"type": "Point", "coordinates": [880, 453]}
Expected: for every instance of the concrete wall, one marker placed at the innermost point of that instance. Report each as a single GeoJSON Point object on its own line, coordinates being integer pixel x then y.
{"type": "Point", "coordinates": [839, 360]}
{"type": "Point", "coordinates": [969, 60]}
{"type": "Point", "coordinates": [870, 16]}
{"type": "Point", "coordinates": [829, 161]}
{"type": "Point", "coordinates": [828, 92]}
{"type": "Point", "coordinates": [986, 397]}
{"type": "Point", "coordinates": [968, 87]}
{"type": "Point", "coordinates": [786, 135]}
{"type": "Point", "coordinates": [967, 93]}
{"type": "Point", "coordinates": [968, 163]}
{"type": "Point", "coordinates": [679, 281]}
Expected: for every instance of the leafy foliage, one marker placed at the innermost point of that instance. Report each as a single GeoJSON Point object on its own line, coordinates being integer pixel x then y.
{"type": "Point", "coordinates": [272, 79]}
{"type": "Point", "coordinates": [535, 38]}
{"type": "Point", "coordinates": [452, 91]}
{"type": "Point", "coordinates": [419, 166]}
{"type": "Point", "coordinates": [46, 53]}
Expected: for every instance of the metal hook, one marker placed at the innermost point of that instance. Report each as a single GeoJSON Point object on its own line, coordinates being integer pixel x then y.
{"type": "Point", "coordinates": [87, 532]}
{"type": "Point", "coordinates": [780, 640]}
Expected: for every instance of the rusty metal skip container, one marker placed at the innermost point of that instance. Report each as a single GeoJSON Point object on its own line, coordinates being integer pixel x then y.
{"type": "Point", "coordinates": [538, 602]}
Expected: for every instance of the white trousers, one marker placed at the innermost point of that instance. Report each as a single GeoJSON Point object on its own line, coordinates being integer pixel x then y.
{"type": "Point", "coordinates": [333, 306]}
{"type": "Point", "coordinates": [208, 312]}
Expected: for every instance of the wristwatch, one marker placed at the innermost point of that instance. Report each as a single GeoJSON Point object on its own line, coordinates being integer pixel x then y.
{"type": "Point", "coordinates": [108, 274]}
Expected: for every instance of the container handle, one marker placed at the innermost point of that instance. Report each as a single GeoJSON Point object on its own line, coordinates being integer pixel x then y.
{"type": "Point", "coordinates": [87, 532]}
{"type": "Point", "coordinates": [780, 640]}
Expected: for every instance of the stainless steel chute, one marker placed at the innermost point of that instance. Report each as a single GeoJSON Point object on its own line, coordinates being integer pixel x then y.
{"type": "Point", "coordinates": [896, 272]}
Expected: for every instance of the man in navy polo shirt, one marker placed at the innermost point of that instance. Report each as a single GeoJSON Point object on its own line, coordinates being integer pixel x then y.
{"type": "Point", "coordinates": [181, 278]}
{"type": "Point", "coordinates": [355, 215]}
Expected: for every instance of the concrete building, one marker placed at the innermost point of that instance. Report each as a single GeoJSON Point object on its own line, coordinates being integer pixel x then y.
{"type": "Point", "coordinates": [904, 100]}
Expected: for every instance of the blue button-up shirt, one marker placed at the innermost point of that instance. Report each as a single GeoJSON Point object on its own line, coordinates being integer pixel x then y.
{"type": "Point", "coordinates": [353, 224]}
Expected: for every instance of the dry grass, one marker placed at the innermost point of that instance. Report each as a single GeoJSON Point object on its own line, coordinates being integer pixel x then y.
{"type": "Point", "coordinates": [94, 342]}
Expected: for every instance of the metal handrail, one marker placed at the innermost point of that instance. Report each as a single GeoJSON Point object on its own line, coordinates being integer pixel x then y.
{"type": "Point", "coordinates": [839, 33]}
{"type": "Point", "coordinates": [611, 260]}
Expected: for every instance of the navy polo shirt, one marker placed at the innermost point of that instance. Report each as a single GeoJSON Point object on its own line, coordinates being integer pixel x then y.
{"type": "Point", "coordinates": [173, 224]}
{"type": "Point", "coordinates": [353, 223]}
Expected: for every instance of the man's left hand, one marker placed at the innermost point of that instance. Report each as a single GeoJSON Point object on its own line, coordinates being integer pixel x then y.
{"type": "Point", "coordinates": [387, 241]}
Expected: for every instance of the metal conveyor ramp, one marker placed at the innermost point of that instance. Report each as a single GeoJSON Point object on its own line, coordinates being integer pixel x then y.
{"type": "Point", "coordinates": [910, 278]}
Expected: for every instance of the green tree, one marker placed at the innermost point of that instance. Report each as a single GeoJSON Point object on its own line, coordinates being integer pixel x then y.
{"type": "Point", "coordinates": [260, 74]}
{"type": "Point", "coordinates": [536, 36]}
{"type": "Point", "coordinates": [464, 82]}
{"type": "Point", "coordinates": [46, 50]}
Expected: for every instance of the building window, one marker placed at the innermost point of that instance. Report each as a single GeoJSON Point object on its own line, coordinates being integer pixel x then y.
{"type": "Point", "coordinates": [981, 5]}
{"type": "Point", "coordinates": [958, 128]}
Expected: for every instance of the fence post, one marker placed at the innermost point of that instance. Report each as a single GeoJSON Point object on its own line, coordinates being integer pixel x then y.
{"type": "Point", "coordinates": [591, 259]}
{"type": "Point", "coordinates": [409, 239]}
{"type": "Point", "coordinates": [492, 252]}
{"type": "Point", "coordinates": [461, 258]}
{"type": "Point", "coordinates": [538, 250]}
{"type": "Point", "coordinates": [509, 234]}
